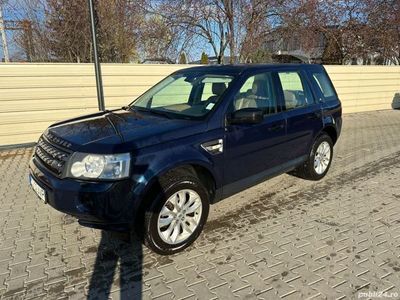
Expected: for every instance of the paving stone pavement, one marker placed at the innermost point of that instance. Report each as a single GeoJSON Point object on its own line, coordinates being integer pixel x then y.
{"type": "Point", "coordinates": [285, 238]}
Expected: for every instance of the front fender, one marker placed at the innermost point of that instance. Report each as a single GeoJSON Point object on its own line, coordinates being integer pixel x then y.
{"type": "Point", "coordinates": [151, 166]}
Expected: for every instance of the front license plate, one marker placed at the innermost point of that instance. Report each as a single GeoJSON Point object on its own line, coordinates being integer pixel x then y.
{"type": "Point", "coordinates": [38, 190]}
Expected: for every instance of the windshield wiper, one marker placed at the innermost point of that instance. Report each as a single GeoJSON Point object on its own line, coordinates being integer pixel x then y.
{"type": "Point", "coordinates": [152, 111]}
{"type": "Point", "coordinates": [110, 112]}
{"type": "Point", "coordinates": [113, 125]}
{"type": "Point", "coordinates": [160, 113]}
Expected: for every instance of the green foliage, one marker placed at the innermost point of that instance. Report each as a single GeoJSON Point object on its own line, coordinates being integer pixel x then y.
{"type": "Point", "coordinates": [204, 58]}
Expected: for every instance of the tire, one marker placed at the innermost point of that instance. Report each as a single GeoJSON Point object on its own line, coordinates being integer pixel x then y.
{"type": "Point", "coordinates": [309, 170]}
{"type": "Point", "coordinates": [177, 213]}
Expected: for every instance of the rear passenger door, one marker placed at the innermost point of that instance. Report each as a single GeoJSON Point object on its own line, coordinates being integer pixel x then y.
{"type": "Point", "coordinates": [303, 113]}
{"type": "Point", "coordinates": [326, 94]}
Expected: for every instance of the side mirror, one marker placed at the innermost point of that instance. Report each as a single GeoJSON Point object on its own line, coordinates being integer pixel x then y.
{"type": "Point", "coordinates": [247, 116]}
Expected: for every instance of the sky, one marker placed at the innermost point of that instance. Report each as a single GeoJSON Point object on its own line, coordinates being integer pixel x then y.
{"type": "Point", "coordinates": [9, 14]}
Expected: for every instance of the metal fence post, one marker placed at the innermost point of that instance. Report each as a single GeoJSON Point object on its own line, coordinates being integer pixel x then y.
{"type": "Point", "coordinates": [99, 82]}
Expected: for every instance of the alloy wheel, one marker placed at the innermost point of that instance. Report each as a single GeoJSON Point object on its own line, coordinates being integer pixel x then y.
{"type": "Point", "coordinates": [179, 217]}
{"type": "Point", "coordinates": [322, 158]}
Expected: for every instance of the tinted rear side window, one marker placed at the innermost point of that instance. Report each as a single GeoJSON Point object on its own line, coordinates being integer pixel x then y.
{"type": "Point", "coordinates": [324, 85]}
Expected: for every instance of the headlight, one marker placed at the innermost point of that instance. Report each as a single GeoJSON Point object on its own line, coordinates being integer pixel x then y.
{"type": "Point", "coordinates": [97, 166]}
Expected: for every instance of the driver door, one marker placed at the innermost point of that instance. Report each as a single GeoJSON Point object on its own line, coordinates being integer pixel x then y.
{"type": "Point", "coordinates": [252, 151]}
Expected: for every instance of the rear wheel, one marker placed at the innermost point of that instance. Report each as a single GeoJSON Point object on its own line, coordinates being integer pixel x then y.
{"type": "Point", "coordinates": [319, 160]}
{"type": "Point", "coordinates": [177, 213]}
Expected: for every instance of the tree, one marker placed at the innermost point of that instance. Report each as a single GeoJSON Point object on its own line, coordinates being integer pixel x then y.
{"type": "Point", "coordinates": [382, 35]}
{"type": "Point", "coordinates": [256, 19]}
{"type": "Point", "coordinates": [239, 26]}
{"type": "Point", "coordinates": [302, 25]}
{"type": "Point", "coordinates": [202, 19]}
{"type": "Point", "coordinates": [250, 30]}
{"type": "Point", "coordinates": [182, 58]}
{"type": "Point", "coordinates": [353, 30]}
{"type": "Point", "coordinates": [259, 56]}
{"type": "Point", "coordinates": [29, 33]}
{"type": "Point", "coordinates": [160, 41]}
{"type": "Point", "coordinates": [204, 58]}
{"type": "Point", "coordinates": [117, 23]}
{"type": "Point", "coordinates": [68, 30]}
{"type": "Point", "coordinates": [332, 54]}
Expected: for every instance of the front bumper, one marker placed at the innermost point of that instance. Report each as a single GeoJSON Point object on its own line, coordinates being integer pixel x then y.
{"type": "Point", "coordinates": [103, 205]}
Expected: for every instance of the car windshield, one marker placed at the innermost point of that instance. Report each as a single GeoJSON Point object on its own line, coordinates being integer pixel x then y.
{"type": "Point", "coordinates": [184, 95]}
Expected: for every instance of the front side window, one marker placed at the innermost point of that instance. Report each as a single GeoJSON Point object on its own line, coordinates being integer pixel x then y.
{"type": "Point", "coordinates": [184, 95]}
{"type": "Point", "coordinates": [294, 91]}
{"type": "Point", "coordinates": [257, 92]}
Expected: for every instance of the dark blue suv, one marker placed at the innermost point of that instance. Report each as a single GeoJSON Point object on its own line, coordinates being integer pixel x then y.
{"type": "Point", "coordinates": [200, 135]}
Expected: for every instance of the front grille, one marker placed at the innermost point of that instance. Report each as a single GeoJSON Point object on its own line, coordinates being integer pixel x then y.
{"type": "Point", "coordinates": [52, 156]}
{"type": "Point", "coordinates": [56, 140]}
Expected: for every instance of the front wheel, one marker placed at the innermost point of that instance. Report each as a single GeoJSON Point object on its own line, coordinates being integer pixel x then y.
{"type": "Point", "coordinates": [319, 160]}
{"type": "Point", "coordinates": [177, 214]}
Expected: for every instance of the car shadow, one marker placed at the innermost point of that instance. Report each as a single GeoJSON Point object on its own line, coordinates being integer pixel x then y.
{"type": "Point", "coordinates": [396, 101]}
{"type": "Point", "coordinates": [118, 266]}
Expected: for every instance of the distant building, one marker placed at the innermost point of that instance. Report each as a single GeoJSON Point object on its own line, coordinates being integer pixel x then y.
{"type": "Point", "coordinates": [213, 60]}
{"type": "Point", "coordinates": [291, 49]}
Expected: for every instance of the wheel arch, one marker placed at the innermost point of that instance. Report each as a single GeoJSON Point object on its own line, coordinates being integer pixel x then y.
{"type": "Point", "coordinates": [198, 168]}
{"type": "Point", "coordinates": [332, 132]}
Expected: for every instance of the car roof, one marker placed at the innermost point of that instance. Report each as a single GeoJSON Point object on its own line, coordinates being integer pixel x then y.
{"type": "Point", "coordinates": [237, 69]}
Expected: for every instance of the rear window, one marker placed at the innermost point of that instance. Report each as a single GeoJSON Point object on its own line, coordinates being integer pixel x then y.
{"type": "Point", "coordinates": [324, 85]}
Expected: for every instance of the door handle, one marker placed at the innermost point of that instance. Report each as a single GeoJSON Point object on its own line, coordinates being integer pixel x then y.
{"type": "Point", "coordinates": [313, 116]}
{"type": "Point", "coordinates": [276, 127]}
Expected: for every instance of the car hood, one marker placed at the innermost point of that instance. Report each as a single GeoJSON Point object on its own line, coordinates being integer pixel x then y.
{"type": "Point", "coordinates": [121, 131]}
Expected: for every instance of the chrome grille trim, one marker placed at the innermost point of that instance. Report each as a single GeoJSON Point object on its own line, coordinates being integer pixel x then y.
{"type": "Point", "coordinates": [57, 141]}
{"type": "Point", "coordinates": [51, 156]}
